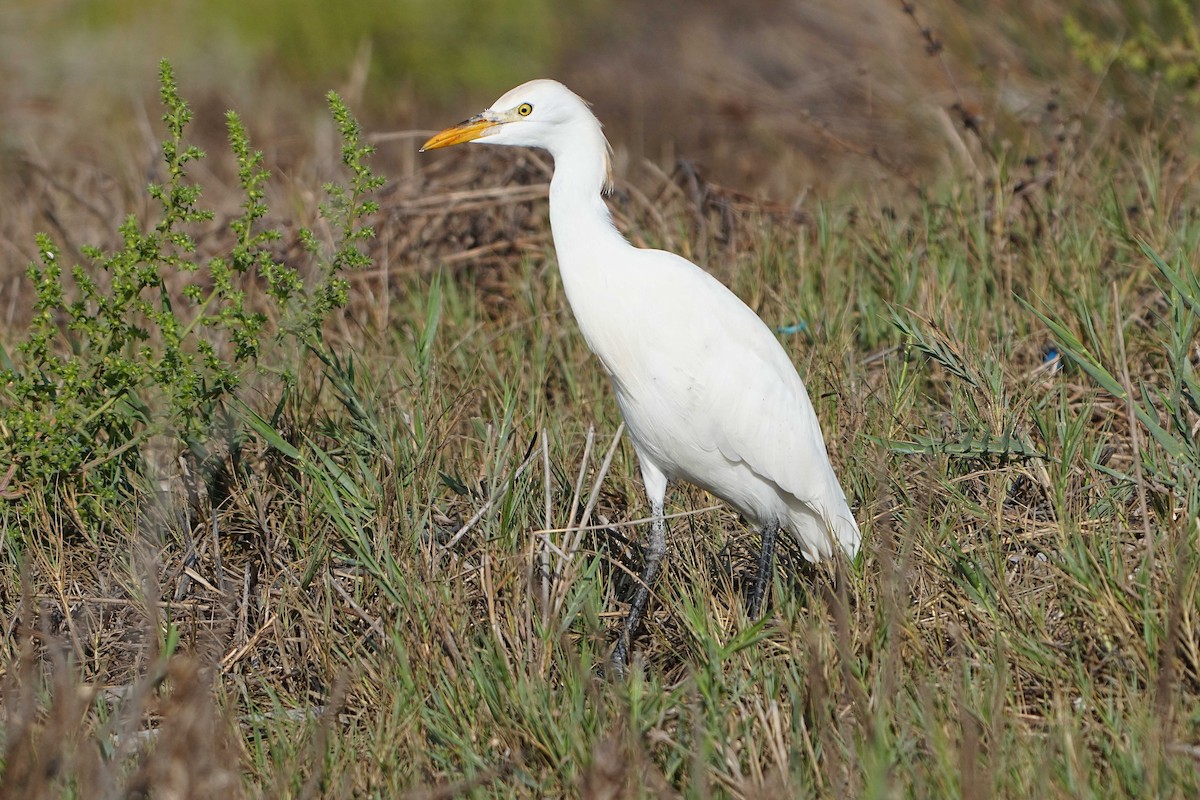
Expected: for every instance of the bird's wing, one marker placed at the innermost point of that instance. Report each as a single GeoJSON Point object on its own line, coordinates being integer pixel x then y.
{"type": "Point", "coordinates": [746, 399]}
{"type": "Point", "coordinates": [695, 364]}
{"type": "Point", "coordinates": [767, 422]}
{"type": "Point", "coordinates": [763, 416]}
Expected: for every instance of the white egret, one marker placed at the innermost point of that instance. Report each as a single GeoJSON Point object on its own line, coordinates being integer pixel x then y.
{"type": "Point", "coordinates": [708, 394]}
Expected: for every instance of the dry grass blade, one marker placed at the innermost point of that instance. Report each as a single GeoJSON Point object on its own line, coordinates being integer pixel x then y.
{"type": "Point", "coordinates": [567, 567]}
{"type": "Point", "coordinates": [487, 505]}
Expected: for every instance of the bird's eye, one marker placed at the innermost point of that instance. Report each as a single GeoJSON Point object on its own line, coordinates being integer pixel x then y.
{"type": "Point", "coordinates": [524, 109]}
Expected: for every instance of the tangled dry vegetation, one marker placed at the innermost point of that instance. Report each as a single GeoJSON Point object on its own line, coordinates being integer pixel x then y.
{"type": "Point", "coordinates": [400, 573]}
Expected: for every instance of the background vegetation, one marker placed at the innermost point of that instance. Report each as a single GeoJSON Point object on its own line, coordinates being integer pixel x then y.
{"type": "Point", "coordinates": [310, 488]}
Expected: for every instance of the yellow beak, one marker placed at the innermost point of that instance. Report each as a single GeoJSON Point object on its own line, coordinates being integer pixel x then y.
{"type": "Point", "coordinates": [462, 132]}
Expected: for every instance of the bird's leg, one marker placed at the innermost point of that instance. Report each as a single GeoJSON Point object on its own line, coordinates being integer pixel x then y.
{"type": "Point", "coordinates": [766, 561]}
{"type": "Point", "coordinates": [655, 551]}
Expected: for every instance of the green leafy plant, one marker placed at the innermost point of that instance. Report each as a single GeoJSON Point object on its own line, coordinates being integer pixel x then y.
{"type": "Point", "coordinates": [346, 210]}
{"type": "Point", "coordinates": [153, 340]}
{"type": "Point", "coordinates": [1158, 39]}
{"type": "Point", "coordinates": [1170, 412]}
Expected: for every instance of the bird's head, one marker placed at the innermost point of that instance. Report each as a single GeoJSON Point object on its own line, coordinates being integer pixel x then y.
{"type": "Point", "coordinates": [541, 113]}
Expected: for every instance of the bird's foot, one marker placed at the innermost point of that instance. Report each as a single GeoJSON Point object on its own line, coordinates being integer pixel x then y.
{"type": "Point", "coordinates": [618, 663]}
{"type": "Point", "coordinates": [766, 562]}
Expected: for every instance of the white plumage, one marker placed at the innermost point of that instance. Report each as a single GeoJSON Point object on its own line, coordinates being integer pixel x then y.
{"type": "Point", "coordinates": [708, 394]}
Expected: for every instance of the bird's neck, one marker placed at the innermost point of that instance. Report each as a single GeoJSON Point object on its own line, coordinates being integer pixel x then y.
{"type": "Point", "coordinates": [579, 218]}
{"type": "Point", "coordinates": [588, 245]}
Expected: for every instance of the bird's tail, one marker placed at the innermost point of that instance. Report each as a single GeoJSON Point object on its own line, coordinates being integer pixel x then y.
{"type": "Point", "coordinates": [817, 528]}
{"type": "Point", "coordinates": [845, 530]}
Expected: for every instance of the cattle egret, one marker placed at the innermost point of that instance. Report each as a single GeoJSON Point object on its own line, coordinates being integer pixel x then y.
{"type": "Point", "coordinates": [709, 395]}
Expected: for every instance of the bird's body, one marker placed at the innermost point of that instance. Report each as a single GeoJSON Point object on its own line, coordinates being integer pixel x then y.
{"type": "Point", "coordinates": [708, 394]}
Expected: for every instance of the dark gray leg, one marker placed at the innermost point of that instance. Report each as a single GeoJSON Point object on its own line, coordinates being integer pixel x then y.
{"type": "Point", "coordinates": [766, 562]}
{"type": "Point", "coordinates": [655, 551]}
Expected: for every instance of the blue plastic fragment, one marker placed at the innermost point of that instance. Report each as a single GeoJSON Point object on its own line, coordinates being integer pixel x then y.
{"type": "Point", "coordinates": [1052, 360]}
{"type": "Point", "coordinates": [794, 328]}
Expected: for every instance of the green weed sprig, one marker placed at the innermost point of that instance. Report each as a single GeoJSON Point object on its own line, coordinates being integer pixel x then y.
{"type": "Point", "coordinates": [346, 210]}
{"type": "Point", "coordinates": [1165, 44]}
{"type": "Point", "coordinates": [148, 356]}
